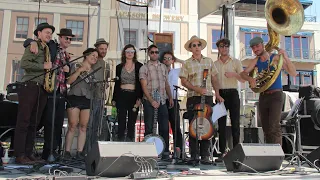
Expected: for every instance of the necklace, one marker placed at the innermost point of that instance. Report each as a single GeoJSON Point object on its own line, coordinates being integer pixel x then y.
{"type": "Point", "coordinates": [129, 69]}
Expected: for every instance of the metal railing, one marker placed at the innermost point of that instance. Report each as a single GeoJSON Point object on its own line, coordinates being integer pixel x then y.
{"type": "Point", "coordinates": [260, 14]}
{"type": "Point", "coordinates": [294, 54]}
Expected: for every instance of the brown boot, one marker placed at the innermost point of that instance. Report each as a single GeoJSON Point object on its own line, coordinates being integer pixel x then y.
{"type": "Point", "coordinates": [24, 160]}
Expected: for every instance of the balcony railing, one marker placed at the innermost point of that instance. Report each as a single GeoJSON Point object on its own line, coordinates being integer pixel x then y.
{"type": "Point", "coordinates": [294, 54]}
{"type": "Point", "coordinates": [92, 2]}
{"type": "Point", "coordinates": [260, 14]}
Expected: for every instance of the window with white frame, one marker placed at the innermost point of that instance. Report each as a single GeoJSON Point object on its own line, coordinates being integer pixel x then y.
{"type": "Point", "coordinates": [77, 28]}
{"type": "Point", "coordinates": [22, 27]}
{"type": "Point", "coordinates": [41, 20]}
{"type": "Point", "coordinates": [17, 71]}
{"type": "Point", "coordinates": [130, 37]}
{"type": "Point", "coordinates": [167, 4]}
{"type": "Point", "coordinates": [297, 47]}
{"type": "Point", "coordinates": [215, 37]}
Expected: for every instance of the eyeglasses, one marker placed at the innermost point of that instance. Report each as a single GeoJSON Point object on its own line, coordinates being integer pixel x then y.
{"type": "Point", "coordinates": [67, 38]}
{"type": "Point", "coordinates": [154, 52]}
{"type": "Point", "coordinates": [130, 51]}
{"type": "Point", "coordinates": [195, 45]}
{"type": "Point", "coordinates": [223, 46]}
{"type": "Point", "coordinates": [167, 58]}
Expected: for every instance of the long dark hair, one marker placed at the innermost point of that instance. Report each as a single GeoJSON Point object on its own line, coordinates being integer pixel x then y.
{"type": "Point", "coordinates": [123, 53]}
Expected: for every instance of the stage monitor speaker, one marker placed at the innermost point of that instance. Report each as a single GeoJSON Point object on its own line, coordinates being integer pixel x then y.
{"type": "Point", "coordinates": [120, 159]}
{"type": "Point", "coordinates": [261, 157]}
{"type": "Point", "coordinates": [314, 157]}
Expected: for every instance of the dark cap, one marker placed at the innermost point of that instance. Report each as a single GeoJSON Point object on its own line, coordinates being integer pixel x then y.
{"type": "Point", "coordinates": [256, 40]}
{"type": "Point", "coordinates": [42, 26]}
{"type": "Point", "coordinates": [100, 41]}
{"type": "Point", "coordinates": [65, 32]}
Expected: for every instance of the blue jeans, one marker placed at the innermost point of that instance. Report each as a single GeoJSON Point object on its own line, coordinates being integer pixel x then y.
{"type": "Point", "coordinates": [163, 121]}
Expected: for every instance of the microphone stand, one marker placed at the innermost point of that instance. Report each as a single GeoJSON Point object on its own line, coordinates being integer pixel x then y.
{"type": "Point", "coordinates": [51, 157]}
{"type": "Point", "coordinates": [176, 111]}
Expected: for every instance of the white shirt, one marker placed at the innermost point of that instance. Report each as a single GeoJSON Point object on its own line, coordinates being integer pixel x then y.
{"type": "Point", "coordinates": [173, 79]}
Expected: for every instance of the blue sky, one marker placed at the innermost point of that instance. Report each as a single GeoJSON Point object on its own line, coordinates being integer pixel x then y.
{"type": "Point", "coordinates": [314, 10]}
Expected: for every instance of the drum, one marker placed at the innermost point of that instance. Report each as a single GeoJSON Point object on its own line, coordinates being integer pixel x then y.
{"type": "Point", "coordinates": [12, 91]}
{"type": "Point", "coordinates": [158, 141]}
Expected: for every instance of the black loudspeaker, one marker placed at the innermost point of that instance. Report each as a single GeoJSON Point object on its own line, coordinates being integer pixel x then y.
{"type": "Point", "coordinates": [314, 157]}
{"type": "Point", "coordinates": [120, 159]}
{"type": "Point", "coordinates": [260, 157]}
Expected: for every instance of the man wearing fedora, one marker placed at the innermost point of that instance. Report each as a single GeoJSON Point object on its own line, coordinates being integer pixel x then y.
{"type": "Point", "coordinates": [191, 76]}
{"type": "Point", "coordinates": [32, 96]}
{"type": "Point", "coordinates": [99, 95]}
{"type": "Point", "coordinates": [61, 56]}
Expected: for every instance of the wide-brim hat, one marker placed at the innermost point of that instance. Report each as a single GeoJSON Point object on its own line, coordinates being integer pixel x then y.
{"type": "Point", "coordinates": [42, 26]}
{"type": "Point", "coordinates": [195, 38]}
{"type": "Point", "coordinates": [100, 41]}
{"type": "Point", "coordinates": [65, 32]}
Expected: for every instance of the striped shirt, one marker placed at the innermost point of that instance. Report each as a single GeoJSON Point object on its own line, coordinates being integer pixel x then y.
{"type": "Point", "coordinates": [192, 70]}
{"type": "Point", "coordinates": [231, 65]}
{"type": "Point", "coordinates": [156, 75]}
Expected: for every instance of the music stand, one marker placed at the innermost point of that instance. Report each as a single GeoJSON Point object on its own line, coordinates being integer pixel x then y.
{"type": "Point", "coordinates": [295, 118]}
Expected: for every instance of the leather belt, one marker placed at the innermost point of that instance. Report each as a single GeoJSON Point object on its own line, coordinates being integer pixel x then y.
{"type": "Point", "coordinates": [228, 90]}
{"type": "Point", "coordinates": [271, 91]}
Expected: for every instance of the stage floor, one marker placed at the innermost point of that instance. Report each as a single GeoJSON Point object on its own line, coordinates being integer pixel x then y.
{"type": "Point", "coordinates": [189, 172]}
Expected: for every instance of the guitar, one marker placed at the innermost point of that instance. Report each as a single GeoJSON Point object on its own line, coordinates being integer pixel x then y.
{"type": "Point", "coordinates": [203, 115]}
{"type": "Point", "coordinates": [154, 137]}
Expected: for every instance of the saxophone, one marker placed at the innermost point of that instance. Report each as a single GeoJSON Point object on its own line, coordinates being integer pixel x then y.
{"type": "Point", "coordinates": [284, 17]}
{"type": "Point", "coordinates": [50, 76]}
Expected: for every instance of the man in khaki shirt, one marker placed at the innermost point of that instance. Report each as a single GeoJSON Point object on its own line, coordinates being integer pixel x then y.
{"type": "Point", "coordinates": [191, 76]}
{"type": "Point", "coordinates": [228, 77]}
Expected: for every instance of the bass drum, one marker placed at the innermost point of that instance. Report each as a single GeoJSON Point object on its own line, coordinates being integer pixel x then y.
{"type": "Point", "coordinates": [158, 141]}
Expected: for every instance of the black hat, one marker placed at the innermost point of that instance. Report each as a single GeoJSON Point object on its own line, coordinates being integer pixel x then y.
{"type": "Point", "coordinates": [101, 41]}
{"type": "Point", "coordinates": [42, 26]}
{"type": "Point", "coordinates": [65, 32]}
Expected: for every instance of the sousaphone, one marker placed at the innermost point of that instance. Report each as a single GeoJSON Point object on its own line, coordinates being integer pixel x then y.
{"type": "Point", "coordinates": [284, 17]}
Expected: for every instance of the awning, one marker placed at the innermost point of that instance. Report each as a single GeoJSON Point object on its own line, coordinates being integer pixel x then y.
{"type": "Point", "coordinates": [245, 29]}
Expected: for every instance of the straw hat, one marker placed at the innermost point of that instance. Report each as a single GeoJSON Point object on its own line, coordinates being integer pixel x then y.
{"type": "Point", "coordinates": [195, 38]}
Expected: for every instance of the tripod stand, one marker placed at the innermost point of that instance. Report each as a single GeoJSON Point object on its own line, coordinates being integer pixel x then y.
{"type": "Point", "coordinates": [297, 152]}
{"type": "Point", "coordinates": [295, 118]}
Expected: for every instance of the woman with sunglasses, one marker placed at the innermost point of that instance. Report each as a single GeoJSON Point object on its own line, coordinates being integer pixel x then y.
{"type": "Point", "coordinates": [79, 95]}
{"type": "Point", "coordinates": [127, 92]}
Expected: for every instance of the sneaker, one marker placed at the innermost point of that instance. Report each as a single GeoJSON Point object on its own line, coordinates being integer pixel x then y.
{"type": "Point", "coordinates": [80, 156]}
{"type": "Point", "coordinates": [165, 156]}
{"type": "Point", "coordinates": [67, 155]}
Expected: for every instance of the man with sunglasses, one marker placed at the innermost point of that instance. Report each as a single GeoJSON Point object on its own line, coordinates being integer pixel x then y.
{"type": "Point", "coordinates": [173, 78]}
{"type": "Point", "coordinates": [59, 56]}
{"type": "Point", "coordinates": [228, 76]}
{"type": "Point", "coordinates": [154, 81]}
{"type": "Point", "coordinates": [191, 76]}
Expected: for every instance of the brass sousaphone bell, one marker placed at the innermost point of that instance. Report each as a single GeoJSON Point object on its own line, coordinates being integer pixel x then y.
{"type": "Point", "coordinates": [284, 17]}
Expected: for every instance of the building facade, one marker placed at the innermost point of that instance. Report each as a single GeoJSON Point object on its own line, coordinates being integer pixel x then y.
{"type": "Point", "coordinates": [120, 24]}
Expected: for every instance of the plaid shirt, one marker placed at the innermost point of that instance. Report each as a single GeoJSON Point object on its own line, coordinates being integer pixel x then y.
{"type": "Point", "coordinates": [156, 75]}
{"type": "Point", "coordinates": [192, 70]}
{"type": "Point", "coordinates": [62, 58]}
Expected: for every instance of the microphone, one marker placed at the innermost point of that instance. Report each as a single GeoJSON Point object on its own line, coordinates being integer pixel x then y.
{"type": "Point", "coordinates": [179, 88]}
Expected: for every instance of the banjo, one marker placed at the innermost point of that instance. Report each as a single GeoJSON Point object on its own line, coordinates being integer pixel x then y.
{"type": "Point", "coordinates": [154, 137]}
